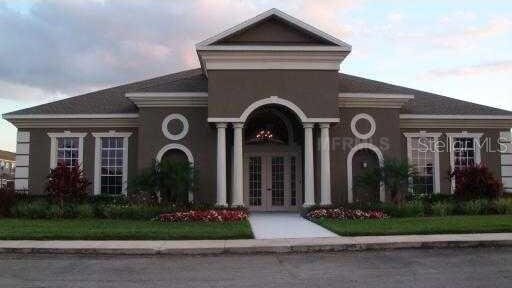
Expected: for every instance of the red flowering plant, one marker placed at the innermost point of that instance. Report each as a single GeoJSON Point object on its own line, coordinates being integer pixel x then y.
{"type": "Point", "coordinates": [476, 182]}
{"type": "Point", "coordinates": [212, 215]}
{"type": "Point", "coordinates": [345, 214]}
{"type": "Point", "coordinates": [67, 184]}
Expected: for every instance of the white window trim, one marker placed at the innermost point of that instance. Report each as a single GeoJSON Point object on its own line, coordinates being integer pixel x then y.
{"type": "Point", "coordinates": [437, 166]}
{"type": "Point", "coordinates": [476, 142]}
{"type": "Point", "coordinates": [66, 134]}
{"type": "Point", "coordinates": [97, 159]}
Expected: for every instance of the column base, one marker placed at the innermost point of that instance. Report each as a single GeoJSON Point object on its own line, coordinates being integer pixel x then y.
{"type": "Point", "coordinates": [308, 205]}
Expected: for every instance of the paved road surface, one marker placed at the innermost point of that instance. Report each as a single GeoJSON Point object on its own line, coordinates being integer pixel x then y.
{"type": "Point", "coordinates": [489, 267]}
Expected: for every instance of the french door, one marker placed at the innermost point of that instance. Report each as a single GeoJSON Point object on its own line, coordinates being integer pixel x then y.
{"type": "Point", "coordinates": [272, 182]}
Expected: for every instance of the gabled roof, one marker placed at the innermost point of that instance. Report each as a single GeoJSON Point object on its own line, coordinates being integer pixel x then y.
{"type": "Point", "coordinates": [113, 100]}
{"type": "Point", "coordinates": [6, 155]}
{"type": "Point", "coordinates": [295, 24]}
{"type": "Point", "coordinates": [423, 102]}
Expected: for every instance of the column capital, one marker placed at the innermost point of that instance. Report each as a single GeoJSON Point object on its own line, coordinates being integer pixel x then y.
{"type": "Point", "coordinates": [221, 125]}
{"type": "Point", "coordinates": [238, 125]}
{"type": "Point", "coordinates": [308, 125]}
{"type": "Point", "coordinates": [325, 125]}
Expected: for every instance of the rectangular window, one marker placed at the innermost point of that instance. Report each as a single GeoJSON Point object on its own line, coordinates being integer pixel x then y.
{"type": "Point", "coordinates": [67, 151]}
{"type": "Point", "coordinates": [112, 162]}
{"type": "Point", "coordinates": [423, 157]}
{"type": "Point", "coordinates": [463, 152]}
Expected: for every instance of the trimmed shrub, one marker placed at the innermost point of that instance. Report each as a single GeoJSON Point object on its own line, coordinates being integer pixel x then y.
{"type": "Point", "coordinates": [131, 212]}
{"type": "Point", "coordinates": [85, 211]}
{"type": "Point", "coordinates": [444, 208]}
{"type": "Point", "coordinates": [475, 207]}
{"type": "Point", "coordinates": [406, 209]}
{"type": "Point", "coordinates": [32, 210]}
{"type": "Point", "coordinates": [476, 182]}
{"type": "Point", "coordinates": [7, 200]}
{"type": "Point", "coordinates": [504, 206]}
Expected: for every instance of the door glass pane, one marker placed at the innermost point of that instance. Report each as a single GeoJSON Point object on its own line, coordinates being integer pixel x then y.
{"type": "Point", "coordinates": [255, 181]}
{"type": "Point", "coordinates": [277, 181]}
{"type": "Point", "coordinates": [293, 184]}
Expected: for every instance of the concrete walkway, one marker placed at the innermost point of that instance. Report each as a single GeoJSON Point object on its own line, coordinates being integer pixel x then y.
{"type": "Point", "coordinates": [282, 225]}
{"type": "Point", "coordinates": [206, 247]}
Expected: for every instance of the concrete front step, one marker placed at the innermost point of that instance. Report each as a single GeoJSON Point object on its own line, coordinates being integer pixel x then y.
{"type": "Point", "coordinates": [255, 246]}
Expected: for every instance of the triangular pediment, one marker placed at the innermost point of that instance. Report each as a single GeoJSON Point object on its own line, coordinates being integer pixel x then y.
{"type": "Point", "coordinates": [273, 31]}
{"type": "Point", "coordinates": [273, 28]}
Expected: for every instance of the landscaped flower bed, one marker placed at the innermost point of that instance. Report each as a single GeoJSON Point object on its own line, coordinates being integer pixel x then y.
{"type": "Point", "coordinates": [343, 213]}
{"type": "Point", "coordinates": [223, 215]}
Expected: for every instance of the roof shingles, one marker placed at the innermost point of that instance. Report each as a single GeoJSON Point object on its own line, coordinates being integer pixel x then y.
{"type": "Point", "coordinates": [113, 100]}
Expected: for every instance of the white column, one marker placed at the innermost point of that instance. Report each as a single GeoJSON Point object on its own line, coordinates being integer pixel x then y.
{"type": "Point", "coordinates": [325, 172]}
{"type": "Point", "coordinates": [221, 164]}
{"type": "Point", "coordinates": [309, 182]}
{"type": "Point", "coordinates": [238, 166]}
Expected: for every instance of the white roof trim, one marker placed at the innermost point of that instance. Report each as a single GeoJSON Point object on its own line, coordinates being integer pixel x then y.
{"type": "Point", "coordinates": [457, 116]}
{"type": "Point", "coordinates": [271, 48]}
{"type": "Point", "coordinates": [71, 116]}
{"type": "Point", "coordinates": [375, 95]}
{"type": "Point", "coordinates": [265, 15]}
{"type": "Point", "coordinates": [166, 94]}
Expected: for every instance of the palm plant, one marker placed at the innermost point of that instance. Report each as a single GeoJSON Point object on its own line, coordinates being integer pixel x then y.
{"type": "Point", "coordinates": [169, 181]}
{"type": "Point", "coordinates": [394, 174]}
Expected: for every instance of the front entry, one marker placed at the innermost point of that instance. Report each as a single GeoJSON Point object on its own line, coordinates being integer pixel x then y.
{"type": "Point", "coordinates": [272, 181]}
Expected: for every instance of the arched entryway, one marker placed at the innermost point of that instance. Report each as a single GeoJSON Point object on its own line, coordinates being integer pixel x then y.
{"type": "Point", "coordinates": [364, 161]}
{"type": "Point", "coordinates": [272, 151]}
{"type": "Point", "coordinates": [361, 155]}
{"type": "Point", "coordinates": [176, 152]}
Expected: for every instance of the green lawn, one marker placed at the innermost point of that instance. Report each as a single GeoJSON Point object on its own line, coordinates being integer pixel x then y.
{"type": "Point", "coordinates": [421, 225]}
{"type": "Point", "coordinates": [96, 229]}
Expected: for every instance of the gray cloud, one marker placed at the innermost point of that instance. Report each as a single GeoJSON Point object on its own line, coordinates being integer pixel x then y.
{"type": "Point", "coordinates": [75, 46]}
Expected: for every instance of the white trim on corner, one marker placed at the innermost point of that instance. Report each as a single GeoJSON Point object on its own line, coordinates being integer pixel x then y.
{"type": "Point", "coordinates": [201, 45]}
{"type": "Point", "coordinates": [97, 158]}
{"type": "Point", "coordinates": [166, 94]}
{"type": "Point", "coordinates": [53, 146]}
{"type": "Point", "coordinates": [437, 166]}
{"type": "Point", "coordinates": [70, 116]}
{"type": "Point", "coordinates": [456, 116]}
{"type": "Point", "coordinates": [272, 100]}
{"type": "Point", "coordinates": [369, 118]}
{"type": "Point", "coordinates": [476, 140]}
{"type": "Point", "coordinates": [165, 126]}
{"type": "Point", "coordinates": [177, 146]}
{"type": "Point", "coordinates": [382, 192]}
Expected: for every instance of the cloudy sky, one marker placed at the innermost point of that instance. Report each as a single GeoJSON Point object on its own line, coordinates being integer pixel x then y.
{"type": "Point", "coordinates": [50, 50]}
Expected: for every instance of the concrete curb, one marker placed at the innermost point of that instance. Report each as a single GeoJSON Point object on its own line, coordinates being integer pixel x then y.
{"type": "Point", "coordinates": [200, 247]}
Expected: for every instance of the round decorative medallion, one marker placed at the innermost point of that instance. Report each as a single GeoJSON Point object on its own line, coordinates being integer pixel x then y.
{"type": "Point", "coordinates": [184, 126]}
{"type": "Point", "coordinates": [356, 132]}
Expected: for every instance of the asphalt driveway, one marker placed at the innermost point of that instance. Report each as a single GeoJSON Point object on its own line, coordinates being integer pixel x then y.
{"type": "Point", "coordinates": [483, 267]}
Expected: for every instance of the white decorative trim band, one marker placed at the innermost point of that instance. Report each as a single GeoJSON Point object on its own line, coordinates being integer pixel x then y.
{"type": "Point", "coordinates": [165, 127]}
{"type": "Point", "coordinates": [71, 116]}
{"type": "Point", "coordinates": [353, 126]}
{"type": "Point", "coordinates": [455, 116]}
{"type": "Point", "coordinates": [175, 99]}
{"type": "Point", "coordinates": [372, 100]}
